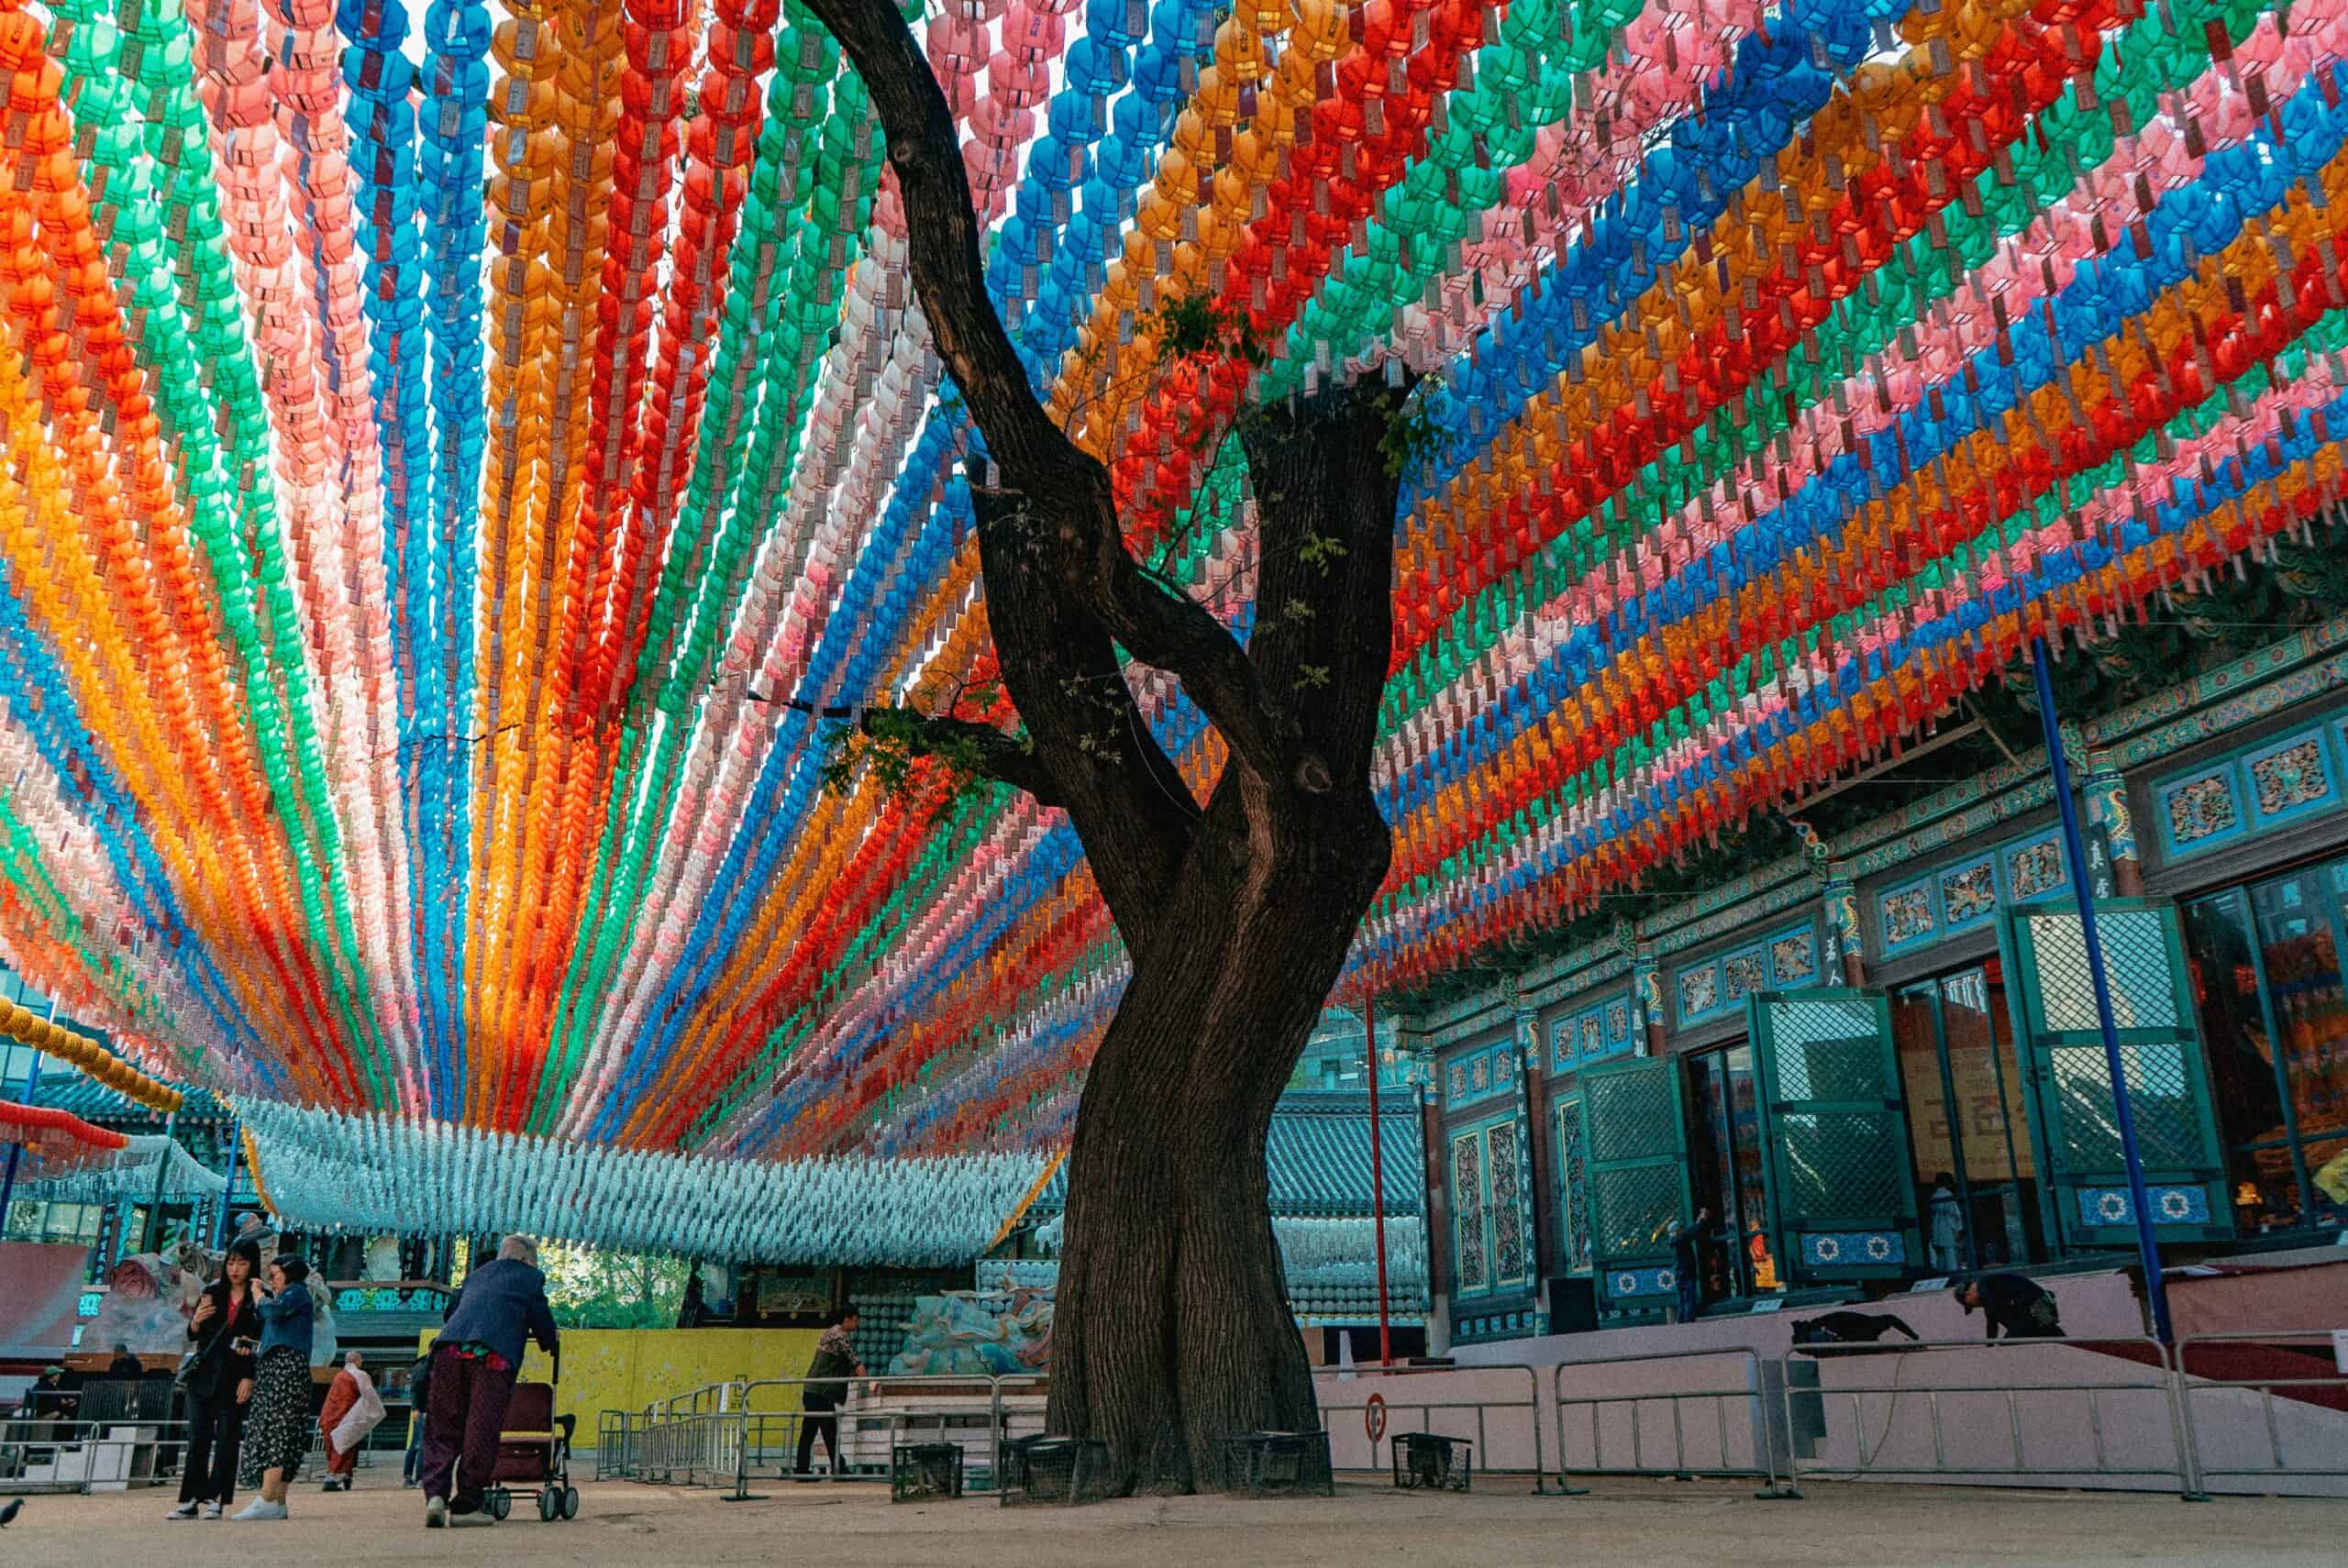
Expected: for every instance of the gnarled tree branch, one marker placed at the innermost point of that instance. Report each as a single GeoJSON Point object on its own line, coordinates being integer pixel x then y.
{"type": "Point", "coordinates": [1066, 489]}
{"type": "Point", "coordinates": [1003, 758]}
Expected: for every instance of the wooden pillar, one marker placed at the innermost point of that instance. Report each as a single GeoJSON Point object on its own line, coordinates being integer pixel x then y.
{"type": "Point", "coordinates": [1436, 1213]}
{"type": "Point", "coordinates": [1843, 949]}
{"type": "Point", "coordinates": [1646, 999]}
{"type": "Point", "coordinates": [1541, 1187]}
{"type": "Point", "coordinates": [2110, 830]}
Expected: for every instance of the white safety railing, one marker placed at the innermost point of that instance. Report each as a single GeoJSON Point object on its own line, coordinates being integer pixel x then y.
{"type": "Point", "coordinates": [2303, 1436]}
{"type": "Point", "coordinates": [48, 1456]}
{"type": "Point", "coordinates": [2060, 1412]}
{"type": "Point", "coordinates": [1724, 1427]}
{"type": "Point", "coordinates": [1395, 1401]}
{"type": "Point", "coordinates": [2021, 1409]}
{"type": "Point", "coordinates": [731, 1434]}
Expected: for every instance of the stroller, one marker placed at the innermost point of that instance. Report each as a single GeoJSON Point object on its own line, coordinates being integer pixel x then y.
{"type": "Point", "coordinates": [534, 1450]}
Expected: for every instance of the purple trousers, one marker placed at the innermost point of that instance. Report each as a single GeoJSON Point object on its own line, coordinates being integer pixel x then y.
{"type": "Point", "coordinates": [468, 1400]}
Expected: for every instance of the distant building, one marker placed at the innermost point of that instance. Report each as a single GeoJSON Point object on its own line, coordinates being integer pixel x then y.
{"type": "Point", "coordinates": [1332, 1057]}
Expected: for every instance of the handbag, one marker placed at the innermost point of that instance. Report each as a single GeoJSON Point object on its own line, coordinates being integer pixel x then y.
{"type": "Point", "coordinates": [196, 1362]}
{"type": "Point", "coordinates": [200, 1358]}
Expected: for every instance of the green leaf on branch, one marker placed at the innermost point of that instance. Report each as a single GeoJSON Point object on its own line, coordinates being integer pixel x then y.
{"type": "Point", "coordinates": [891, 744]}
{"type": "Point", "coordinates": [1199, 324]}
{"type": "Point", "coordinates": [1321, 551]}
{"type": "Point", "coordinates": [1412, 437]}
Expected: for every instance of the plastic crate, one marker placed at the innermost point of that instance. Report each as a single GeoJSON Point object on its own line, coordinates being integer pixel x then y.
{"type": "Point", "coordinates": [920, 1471]}
{"type": "Point", "coordinates": [1430, 1461]}
{"type": "Point", "coordinates": [1055, 1469]}
{"type": "Point", "coordinates": [1279, 1464]}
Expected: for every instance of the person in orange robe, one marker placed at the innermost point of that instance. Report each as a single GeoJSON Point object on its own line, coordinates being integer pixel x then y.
{"type": "Point", "coordinates": [351, 1388]}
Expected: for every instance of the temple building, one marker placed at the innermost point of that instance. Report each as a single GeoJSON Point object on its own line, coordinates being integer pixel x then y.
{"type": "Point", "coordinates": [1784, 1079]}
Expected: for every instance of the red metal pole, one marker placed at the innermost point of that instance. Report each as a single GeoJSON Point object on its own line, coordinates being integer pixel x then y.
{"type": "Point", "coordinates": [1377, 1179]}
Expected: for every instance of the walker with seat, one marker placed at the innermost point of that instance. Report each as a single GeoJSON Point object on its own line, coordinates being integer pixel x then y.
{"type": "Point", "coordinates": [534, 1450]}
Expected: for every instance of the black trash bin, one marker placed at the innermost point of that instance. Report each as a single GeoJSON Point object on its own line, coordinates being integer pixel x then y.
{"type": "Point", "coordinates": [920, 1471]}
{"type": "Point", "coordinates": [1430, 1462]}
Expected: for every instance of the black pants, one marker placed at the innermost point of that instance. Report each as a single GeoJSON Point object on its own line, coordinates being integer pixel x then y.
{"type": "Point", "coordinates": [817, 1420]}
{"type": "Point", "coordinates": [215, 1426]}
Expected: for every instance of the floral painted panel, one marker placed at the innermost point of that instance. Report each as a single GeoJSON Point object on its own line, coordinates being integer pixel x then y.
{"type": "Point", "coordinates": [1479, 1073]}
{"type": "Point", "coordinates": [1793, 958]}
{"type": "Point", "coordinates": [1907, 915]}
{"type": "Point", "coordinates": [2204, 808]}
{"type": "Point", "coordinates": [1508, 1218]}
{"type": "Point", "coordinates": [2293, 777]}
{"type": "Point", "coordinates": [1969, 892]}
{"type": "Point", "coordinates": [1587, 1026]}
{"type": "Point", "coordinates": [2034, 868]}
{"type": "Point", "coordinates": [1618, 1022]}
{"type": "Point", "coordinates": [1467, 1200]}
{"type": "Point", "coordinates": [1573, 1187]}
{"type": "Point", "coordinates": [1699, 991]}
{"type": "Point", "coordinates": [1744, 974]}
{"type": "Point", "coordinates": [1457, 1080]}
{"type": "Point", "coordinates": [1561, 1045]}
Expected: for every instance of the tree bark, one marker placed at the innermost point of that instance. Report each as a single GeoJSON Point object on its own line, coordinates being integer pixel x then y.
{"type": "Point", "coordinates": [1172, 1329]}
{"type": "Point", "coordinates": [1171, 1325]}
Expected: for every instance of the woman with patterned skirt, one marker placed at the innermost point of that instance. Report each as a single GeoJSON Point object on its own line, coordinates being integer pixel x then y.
{"type": "Point", "coordinates": [278, 1428]}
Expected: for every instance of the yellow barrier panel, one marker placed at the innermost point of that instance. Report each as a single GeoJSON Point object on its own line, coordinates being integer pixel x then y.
{"type": "Point", "coordinates": [626, 1369]}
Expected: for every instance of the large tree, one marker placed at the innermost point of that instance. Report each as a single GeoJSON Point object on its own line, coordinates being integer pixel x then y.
{"type": "Point", "coordinates": [1172, 1327]}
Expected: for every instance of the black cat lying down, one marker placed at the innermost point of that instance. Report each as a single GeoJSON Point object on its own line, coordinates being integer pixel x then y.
{"type": "Point", "coordinates": [1846, 1327]}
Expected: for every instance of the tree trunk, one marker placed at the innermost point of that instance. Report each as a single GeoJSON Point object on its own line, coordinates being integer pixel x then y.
{"type": "Point", "coordinates": [1172, 1327]}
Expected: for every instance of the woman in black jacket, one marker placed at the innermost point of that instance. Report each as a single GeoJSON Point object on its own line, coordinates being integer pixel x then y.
{"type": "Point", "coordinates": [223, 1334]}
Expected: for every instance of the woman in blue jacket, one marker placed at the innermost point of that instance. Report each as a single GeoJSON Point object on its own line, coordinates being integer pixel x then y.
{"type": "Point", "coordinates": [279, 1426]}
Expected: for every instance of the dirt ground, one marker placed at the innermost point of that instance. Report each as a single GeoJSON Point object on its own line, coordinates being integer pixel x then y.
{"type": "Point", "coordinates": [1630, 1521]}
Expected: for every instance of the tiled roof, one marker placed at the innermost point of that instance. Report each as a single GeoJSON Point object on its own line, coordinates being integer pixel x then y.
{"type": "Point", "coordinates": [1406, 1301]}
{"type": "Point", "coordinates": [1318, 1151]}
{"type": "Point", "coordinates": [93, 1102]}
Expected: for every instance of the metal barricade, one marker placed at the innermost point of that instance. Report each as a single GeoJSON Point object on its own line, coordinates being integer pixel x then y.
{"type": "Point", "coordinates": [682, 1449]}
{"type": "Point", "coordinates": [1030, 1413]}
{"type": "Point", "coordinates": [2032, 1411]}
{"type": "Point", "coordinates": [859, 1436]}
{"type": "Point", "coordinates": [1730, 1402]}
{"type": "Point", "coordinates": [49, 1456]}
{"type": "Point", "coordinates": [2315, 1426]}
{"type": "Point", "coordinates": [1387, 1396]}
{"type": "Point", "coordinates": [616, 1445]}
{"type": "Point", "coordinates": [1982, 1427]}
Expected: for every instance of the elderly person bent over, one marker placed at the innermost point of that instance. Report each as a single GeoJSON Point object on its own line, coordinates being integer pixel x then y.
{"type": "Point", "coordinates": [501, 1306]}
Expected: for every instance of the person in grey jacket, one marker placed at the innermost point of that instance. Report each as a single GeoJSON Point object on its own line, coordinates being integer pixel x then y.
{"type": "Point", "coordinates": [499, 1308]}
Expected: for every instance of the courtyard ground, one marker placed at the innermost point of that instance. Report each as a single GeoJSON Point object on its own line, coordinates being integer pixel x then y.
{"type": "Point", "coordinates": [624, 1523]}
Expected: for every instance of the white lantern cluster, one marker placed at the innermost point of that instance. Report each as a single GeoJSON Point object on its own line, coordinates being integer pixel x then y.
{"type": "Point", "coordinates": [324, 1170]}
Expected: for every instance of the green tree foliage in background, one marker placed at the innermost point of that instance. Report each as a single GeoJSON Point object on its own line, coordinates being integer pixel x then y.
{"type": "Point", "coordinates": [590, 1288]}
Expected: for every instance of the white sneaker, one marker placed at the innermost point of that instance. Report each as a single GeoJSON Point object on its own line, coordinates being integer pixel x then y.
{"type": "Point", "coordinates": [436, 1513]}
{"type": "Point", "coordinates": [260, 1508]}
{"type": "Point", "coordinates": [185, 1511]}
{"type": "Point", "coordinates": [213, 1510]}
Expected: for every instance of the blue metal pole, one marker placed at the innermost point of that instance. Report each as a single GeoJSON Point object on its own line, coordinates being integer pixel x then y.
{"type": "Point", "coordinates": [16, 1151]}
{"type": "Point", "coordinates": [2076, 856]}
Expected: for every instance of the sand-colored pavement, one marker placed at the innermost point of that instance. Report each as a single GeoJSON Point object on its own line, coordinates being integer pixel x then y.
{"type": "Point", "coordinates": [622, 1523]}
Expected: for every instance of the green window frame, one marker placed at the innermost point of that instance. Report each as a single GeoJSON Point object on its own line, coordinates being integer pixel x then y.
{"type": "Point", "coordinates": [1634, 1133]}
{"type": "Point", "coordinates": [2073, 1121]}
{"type": "Point", "coordinates": [1838, 1167]}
